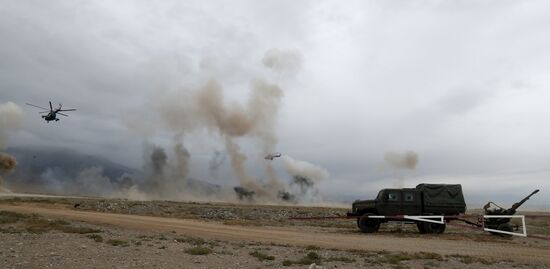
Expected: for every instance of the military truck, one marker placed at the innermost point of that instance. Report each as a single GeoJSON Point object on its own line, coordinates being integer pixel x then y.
{"type": "Point", "coordinates": [424, 200]}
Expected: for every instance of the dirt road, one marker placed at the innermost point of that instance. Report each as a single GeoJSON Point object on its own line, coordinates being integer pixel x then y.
{"type": "Point", "coordinates": [298, 236]}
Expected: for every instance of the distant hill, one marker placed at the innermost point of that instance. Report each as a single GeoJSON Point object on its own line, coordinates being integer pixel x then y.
{"type": "Point", "coordinates": [56, 170]}
{"type": "Point", "coordinates": [31, 163]}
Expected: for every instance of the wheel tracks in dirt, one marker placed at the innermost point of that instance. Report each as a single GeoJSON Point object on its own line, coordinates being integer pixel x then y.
{"type": "Point", "coordinates": [298, 237]}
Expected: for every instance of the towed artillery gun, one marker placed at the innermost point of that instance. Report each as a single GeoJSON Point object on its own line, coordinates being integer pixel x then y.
{"type": "Point", "coordinates": [430, 207]}
{"type": "Point", "coordinates": [502, 224]}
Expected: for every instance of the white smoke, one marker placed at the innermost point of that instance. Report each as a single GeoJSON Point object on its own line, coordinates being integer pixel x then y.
{"type": "Point", "coordinates": [283, 60]}
{"type": "Point", "coordinates": [305, 177]}
{"type": "Point", "coordinates": [305, 169]}
{"type": "Point", "coordinates": [11, 117]}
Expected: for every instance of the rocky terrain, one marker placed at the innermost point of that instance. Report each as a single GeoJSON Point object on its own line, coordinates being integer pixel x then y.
{"type": "Point", "coordinates": [95, 233]}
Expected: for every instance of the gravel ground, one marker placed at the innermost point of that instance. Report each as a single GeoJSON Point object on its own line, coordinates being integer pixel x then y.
{"type": "Point", "coordinates": [29, 241]}
{"type": "Point", "coordinates": [133, 249]}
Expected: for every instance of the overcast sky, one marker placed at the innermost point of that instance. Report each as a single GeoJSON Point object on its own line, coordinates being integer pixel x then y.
{"type": "Point", "coordinates": [464, 84]}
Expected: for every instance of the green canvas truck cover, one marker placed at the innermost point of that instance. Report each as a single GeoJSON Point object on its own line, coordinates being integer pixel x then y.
{"type": "Point", "coordinates": [442, 198]}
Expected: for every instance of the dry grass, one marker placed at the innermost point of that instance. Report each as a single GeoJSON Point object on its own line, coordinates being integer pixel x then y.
{"type": "Point", "coordinates": [118, 242]}
{"type": "Point", "coordinates": [470, 259]}
{"type": "Point", "coordinates": [396, 258]}
{"type": "Point", "coordinates": [261, 256]}
{"type": "Point", "coordinates": [11, 217]}
{"type": "Point", "coordinates": [198, 251]}
{"type": "Point", "coordinates": [311, 257]}
{"type": "Point", "coordinates": [37, 225]}
{"type": "Point", "coordinates": [96, 237]}
{"type": "Point", "coordinates": [343, 259]}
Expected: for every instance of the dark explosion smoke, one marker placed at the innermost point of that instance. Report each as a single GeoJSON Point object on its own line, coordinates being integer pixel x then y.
{"type": "Point", "coordinates": [158, 160]}
{"type": "Point", "coordinates": [286, 196]}
{"type": "Point", "coordinates": [244, 194]}
{"type": "Point", "coordinates": [7, 164]}
{"type": "Point", "coordinates": [303, 183]}
{"type": "Point", "coordinates": [165, 179]}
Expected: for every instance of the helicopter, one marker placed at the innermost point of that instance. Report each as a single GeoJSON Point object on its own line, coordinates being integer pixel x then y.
{"type": "Point", "coordinates": [52, 113]}
{"type": "Point", "coordinates": [272, 156]}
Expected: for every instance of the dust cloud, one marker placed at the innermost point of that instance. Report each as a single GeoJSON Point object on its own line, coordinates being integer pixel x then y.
{"type": "Point", "coordinates": [402, 160]}
{"type": "Point", "coordinates": [207, 108]}
{"type": "Point", "coordinates": [305, 176]}
{"type": "Point", "coordinates": [7, 164]}
{"type": "Point", "coordinates": [164, 178]}
{"type": "Point", "coordinates": [217, 160]}
{"type": "Point", "coordinates": [11, 118]}
{"type": "Point", "coordinates": [283, 60]}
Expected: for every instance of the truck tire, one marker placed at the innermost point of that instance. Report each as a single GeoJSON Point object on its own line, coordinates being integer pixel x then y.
{"type": "Point", "coordinates": [368, 225]}
{"type": "Point", "coordinates": [433, 228]}
{"type": "Point", "coordinates": [420, 226]}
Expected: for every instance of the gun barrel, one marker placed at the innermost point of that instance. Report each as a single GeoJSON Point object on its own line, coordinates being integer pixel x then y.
{"type": "Point", "coordinates": [518, 204]}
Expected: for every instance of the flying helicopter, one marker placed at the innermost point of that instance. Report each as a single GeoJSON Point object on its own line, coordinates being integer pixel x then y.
{"type": "Point", "coordinates": [272, 156]}
{"type": "Point", "coordinates": [52, 113]}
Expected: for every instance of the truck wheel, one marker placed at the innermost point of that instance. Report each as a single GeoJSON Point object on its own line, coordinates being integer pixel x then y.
{"type": "Point", "coordinates": [420, 226]}
{"type": "Point", "coordinates": [368, 225]}
{"type": "Point", "coordinates": [434, 228]}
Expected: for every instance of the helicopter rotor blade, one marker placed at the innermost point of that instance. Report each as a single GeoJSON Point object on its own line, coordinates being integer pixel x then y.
{"type": "Point", "coordinates": [43, 112]}
{"type": "Point", "coordinates": [36, 106]}
{"type": "Point", "coordinates": [62, 114]}
{"type": "Point", "coordinates": [51, 108]}
{"type": "Point", "coordinates": [72, 109]}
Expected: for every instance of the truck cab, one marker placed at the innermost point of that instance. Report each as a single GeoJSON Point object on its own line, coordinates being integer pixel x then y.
{"type": "Point", "coordinates": [391, 202]}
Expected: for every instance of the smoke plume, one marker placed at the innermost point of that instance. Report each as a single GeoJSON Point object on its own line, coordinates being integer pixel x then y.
{"type": "Point", "coordinates": [206, 108]}
{"type": "Point", "coordinates": [304, 169]}
{"type": "Point", "coordinates": [182, 160]}
{"type": "Point", "coordinates": [165, 179]}
{"type": "Point", "coordinates": [303, 183]}
{"type": "Point", "coordinates": [215, 163]}
{"type": "Point", "coordinates": [304, 177]}
{"type": "Point", "coordinates": [11, 117]}
{"type": "Point", "coordinates": [7, 164]}
{"type": "Point", "coordinates": [244, 194]}
{"type": "Point", "coordinates": [404, 160]}
{"type": "Point", "coordinates": [202, 108]}
{"type": "Point", "coordinates": [283, 60]}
